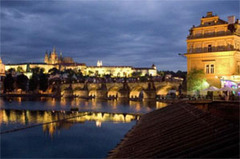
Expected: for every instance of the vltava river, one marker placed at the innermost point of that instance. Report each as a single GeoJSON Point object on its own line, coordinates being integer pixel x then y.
{"type": "Point", "coordinates": [47, 128]}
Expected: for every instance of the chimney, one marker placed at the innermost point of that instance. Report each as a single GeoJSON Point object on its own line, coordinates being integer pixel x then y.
{"type": "Point", "coordinates": [231, 19]}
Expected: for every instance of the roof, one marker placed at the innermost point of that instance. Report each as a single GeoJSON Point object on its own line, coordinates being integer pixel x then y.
{"type": "Point", "coordinates": [38, 63]}
{"type": "Point", "coordinates": [144, 68]}
{"type": "Point", "coordinates": [219, 22]}
{"type": "Point", "coordinates": [73, 64]}
{"type": "Point", "coordinates": [180, 131]}
{"type": "Point", "coordinates": [110, 66]}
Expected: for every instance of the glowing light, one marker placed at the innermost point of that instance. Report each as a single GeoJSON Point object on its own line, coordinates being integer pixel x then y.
{"type": "Point", "coordinates": [98, 123]}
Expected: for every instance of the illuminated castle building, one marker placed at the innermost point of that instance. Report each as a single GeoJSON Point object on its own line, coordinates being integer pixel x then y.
{"type": "Point", "coordinates": [53, 60]}
{"type": "Point", "coordinates": [214, 46]}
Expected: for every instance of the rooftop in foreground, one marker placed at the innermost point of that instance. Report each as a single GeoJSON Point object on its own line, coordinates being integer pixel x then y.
{"type": "Point", "coordinates": [180, 131]}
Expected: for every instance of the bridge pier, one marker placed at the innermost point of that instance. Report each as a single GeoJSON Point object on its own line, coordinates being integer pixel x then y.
{"type": "Point", "coordinates": [82, 93]}
{"type": "Point", "coordinates": [124, 91]}
{"type": "Point", "coordinates": [68, 92]}
{"type": "Point", "coordinates": [102, 91]}
{"type": "Point", "coordinates": [150, 92]}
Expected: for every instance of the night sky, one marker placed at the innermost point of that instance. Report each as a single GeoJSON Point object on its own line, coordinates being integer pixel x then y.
{"type": "Point", "coordinates": [124, 32]}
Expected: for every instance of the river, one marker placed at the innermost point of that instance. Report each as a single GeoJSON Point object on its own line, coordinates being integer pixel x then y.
{"type": "Point", "coordinates": [48, 128]}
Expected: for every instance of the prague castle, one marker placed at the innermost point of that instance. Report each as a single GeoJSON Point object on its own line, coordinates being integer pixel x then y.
{"type": "Point", "coordinates": [214, 46]}
{"type": "Point", "coordinates": [53, 60]}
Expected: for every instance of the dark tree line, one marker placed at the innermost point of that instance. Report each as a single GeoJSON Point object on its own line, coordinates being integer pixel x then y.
{"type": "Point", "coordinates": [38, 81]}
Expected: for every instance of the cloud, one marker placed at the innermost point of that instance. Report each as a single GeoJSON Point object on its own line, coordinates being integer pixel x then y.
{"type": "Point", "coordinates": [135, 33]}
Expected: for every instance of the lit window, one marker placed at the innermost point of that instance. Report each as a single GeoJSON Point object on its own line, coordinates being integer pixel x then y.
{"type": "Point", "coordinates": [212, 68]}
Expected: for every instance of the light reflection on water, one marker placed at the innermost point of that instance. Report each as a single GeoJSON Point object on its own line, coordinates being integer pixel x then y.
{"type": "Point", "coordinates": [94, 130]}
{"type": "Point", "coordinates": [97, 105]}
{"type": "Point", "coordinates": [16, 119]}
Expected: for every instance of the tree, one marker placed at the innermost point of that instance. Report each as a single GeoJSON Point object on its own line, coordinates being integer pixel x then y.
{"type": "Point", "coordinates": [34, 82]}
{"type": "Point", "coordinates": [43, 82]}
{"type": "Point", "coordinates": [196, 80]}
{"type": "Point", "coordinates": [20, 69]}
{"type": "Point", "coordinates": [160, 73]}
{"type": "Point", "coordinates": [79, 74]}
{"type": "Point", "coordinates": [136, 74]}
{"type": "Point", "coordinates": [8, 83]}
{"type": "Point", "coordinates": [11, 70]}
{"type": "Point", "coordinates": [90, 73]}
{"type": "Point", "coordinates": [22, 82]}
{"type": "Point", "coordinates": [53, 71]}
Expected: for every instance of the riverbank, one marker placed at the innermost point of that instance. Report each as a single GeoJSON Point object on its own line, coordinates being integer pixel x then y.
{"type": "Point", "coordinates": [183, 131]}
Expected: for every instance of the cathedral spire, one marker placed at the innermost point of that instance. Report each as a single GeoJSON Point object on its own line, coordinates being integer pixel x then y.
{"type": "Point", "coordinates": [46, 58]}
{"type": "Point", "coordinates": [54, 49]}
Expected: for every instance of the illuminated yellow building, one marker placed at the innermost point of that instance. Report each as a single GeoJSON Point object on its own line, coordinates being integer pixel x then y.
{"type": "Point", "coordinates": [52, 60]}
{"type": "Point", "coordinates": [214, 46]}
{"type": "Point", "coordinates": [2, 74]}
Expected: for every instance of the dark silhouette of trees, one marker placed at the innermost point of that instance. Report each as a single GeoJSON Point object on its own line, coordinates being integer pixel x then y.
{"type": "Point", "coordinates": [53, 71]}
{"type": "Point", "coordinates": [43, 82]}
{"type": "Point", "coordinates": [8, 83]}
{"type": "Point", "coordinates": [22, 82]}
{"type": "Point", "coordinates": [39, 80]}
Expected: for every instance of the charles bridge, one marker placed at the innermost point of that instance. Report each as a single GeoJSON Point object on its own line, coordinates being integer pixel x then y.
{"type": "Point", "coordinates": [145, 90]}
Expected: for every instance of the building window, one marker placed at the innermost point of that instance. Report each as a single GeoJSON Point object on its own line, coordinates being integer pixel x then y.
{"type": "Point", "coordinates": [212, 69]}
{"type": "Point", "coordinates": [209, 48]}
{"type": "Point", "coordinates": [207, 69]}
{"type": "Point", "coordinates": [238, 67]}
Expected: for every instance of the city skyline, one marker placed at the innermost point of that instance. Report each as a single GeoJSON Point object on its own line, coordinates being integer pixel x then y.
{"type": "Point", "coordinates": [118, 33]}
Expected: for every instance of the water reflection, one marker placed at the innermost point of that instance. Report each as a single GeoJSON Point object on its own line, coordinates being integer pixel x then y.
{"type": "Point", "coordinates": [69, 137]}
{"type": "Point", "coordinates": [117, 106]}
{"type": "Point", "coordinates": [15, 119]}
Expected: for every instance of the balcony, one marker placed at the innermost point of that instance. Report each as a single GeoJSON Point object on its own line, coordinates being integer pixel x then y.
{"type": "Point", "coordinates": [213, 49]}
{"type": "Point", "coordinates": [209, 35]}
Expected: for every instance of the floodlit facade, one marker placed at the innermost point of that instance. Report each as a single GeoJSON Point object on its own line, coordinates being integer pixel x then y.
{"type": "Point", "coordinates": [214, 46]}
{"type": "Point", "coordinates": [2, 74]}
{"type": "Point", "coordinates": [53, 60]}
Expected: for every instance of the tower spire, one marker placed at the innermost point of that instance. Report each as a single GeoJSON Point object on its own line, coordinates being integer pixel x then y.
{"type": "Point", "coordinates": [54, 49]}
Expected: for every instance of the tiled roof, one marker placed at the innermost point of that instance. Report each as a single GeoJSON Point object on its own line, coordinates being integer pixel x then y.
{"type": "Point", "coordinates": [180, 131]}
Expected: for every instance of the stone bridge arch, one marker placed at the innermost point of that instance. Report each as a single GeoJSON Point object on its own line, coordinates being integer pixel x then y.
{"type": "Point", "coordinates": [113, 91]}
{"type": "Point", "coordinates": [164, 87]}
{"type": "Point", "coordinates": [136, 92]}
{"type": "Point", "coordinates": [122, 90]}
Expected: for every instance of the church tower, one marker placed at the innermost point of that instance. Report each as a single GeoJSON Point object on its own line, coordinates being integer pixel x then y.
{"type": "Point", "coordinates": [214, 46]}
{"type": "Point", "coordinates": [99, 63]}
{"type": "Point", "coordinates": [54, 57]}
{"type": "Point", "coordinates": [46, 58]}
